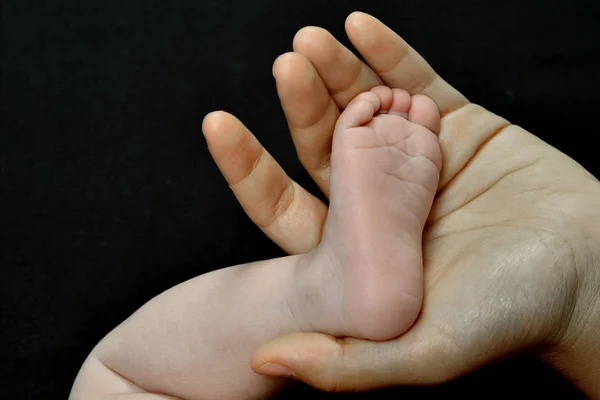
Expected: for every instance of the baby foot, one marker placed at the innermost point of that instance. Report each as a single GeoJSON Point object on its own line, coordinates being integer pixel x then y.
{"type": "Point", "coordinates": [365, 279]}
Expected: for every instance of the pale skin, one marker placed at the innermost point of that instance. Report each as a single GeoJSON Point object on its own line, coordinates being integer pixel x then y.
{"type": "Point", "coordinates": [510, 251]}
{"type": "Point", "coordinates": [512, 246]}
{"type": "Point", "coordinates": [363, 280]}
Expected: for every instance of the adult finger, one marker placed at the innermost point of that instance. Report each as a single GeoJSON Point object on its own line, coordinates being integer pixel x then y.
{"type": "Point", "coordinates": [344, 75]}
{"type": "Point", "coordinates": [349, 365]}
{"type": "Point", "coordinates": [284, 211]}
{"type": "Point", "coordinates": [310, 111]}
{"type": "Point", "coordinates": [398, 64]}
{"type": "Point", "coordinates": [313, 84]}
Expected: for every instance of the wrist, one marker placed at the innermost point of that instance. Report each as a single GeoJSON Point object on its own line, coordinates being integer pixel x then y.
{"type": "Point", "coordinates": [576, 353]}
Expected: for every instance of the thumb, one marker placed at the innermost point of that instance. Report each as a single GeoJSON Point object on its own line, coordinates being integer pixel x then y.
{"type": "Point", "coordinates": [327, 363]}
{"type": "Point", "coordinates": [347, 364]}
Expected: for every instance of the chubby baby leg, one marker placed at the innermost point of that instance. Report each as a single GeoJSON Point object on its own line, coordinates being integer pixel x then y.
{"type": "Point", "coordinates": [195, 341]}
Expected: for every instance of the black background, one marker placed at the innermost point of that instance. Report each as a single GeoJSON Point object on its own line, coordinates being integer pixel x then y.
{"type": "Point", "coordinates": [109, 195]}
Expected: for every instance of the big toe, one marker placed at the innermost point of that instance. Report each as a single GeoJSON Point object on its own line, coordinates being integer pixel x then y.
{"type": "Point", "coordinates": [424, 111]}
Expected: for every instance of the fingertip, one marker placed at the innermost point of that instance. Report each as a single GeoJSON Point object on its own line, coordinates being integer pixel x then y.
{"type": "Point", "coordinates": [282, 63]}
{"type": "Point", "coordinates": [319, 360]}
{"type": "Point", "coordinates": [297, 352]}
{"type": "Point", "coordinates": [227, 137]}
{"type": "Point", "coordinates": [214, 122]}
{"type": "Point", "coordinates": [354, 18]}
{"type": "Point", "coordinates": [270, 353]}
{"type": "Point", "coordinates": [360, 21]}
{"type": "Point", "coordinates": [293, 68]}
{"type": "Point", "coordinates": [207, 121]}
{"type": "Point", "coordinates": [275, 370]}
{"type": "Point", "coordinates": [306, 37]}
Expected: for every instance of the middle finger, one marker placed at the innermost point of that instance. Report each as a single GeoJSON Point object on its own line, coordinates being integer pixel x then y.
{"type": "Point", "coordinates": [313, 84]}
{"type": "Point", "coordinates": [343, 73]}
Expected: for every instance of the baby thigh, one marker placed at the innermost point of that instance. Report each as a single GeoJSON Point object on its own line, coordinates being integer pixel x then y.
{"type": "Point", "coordinates": [195, 340]}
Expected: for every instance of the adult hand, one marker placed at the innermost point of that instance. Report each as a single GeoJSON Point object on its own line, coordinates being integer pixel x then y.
{"type": "Point", "coordinates": [512, 245]}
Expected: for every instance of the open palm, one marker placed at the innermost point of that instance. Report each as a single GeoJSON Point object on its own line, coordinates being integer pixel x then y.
{"type": "Point", "coordinates": [506, 243]}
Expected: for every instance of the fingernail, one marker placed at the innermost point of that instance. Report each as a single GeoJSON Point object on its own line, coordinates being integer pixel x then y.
{"type": "Point", "coordinates": [273, 369]}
